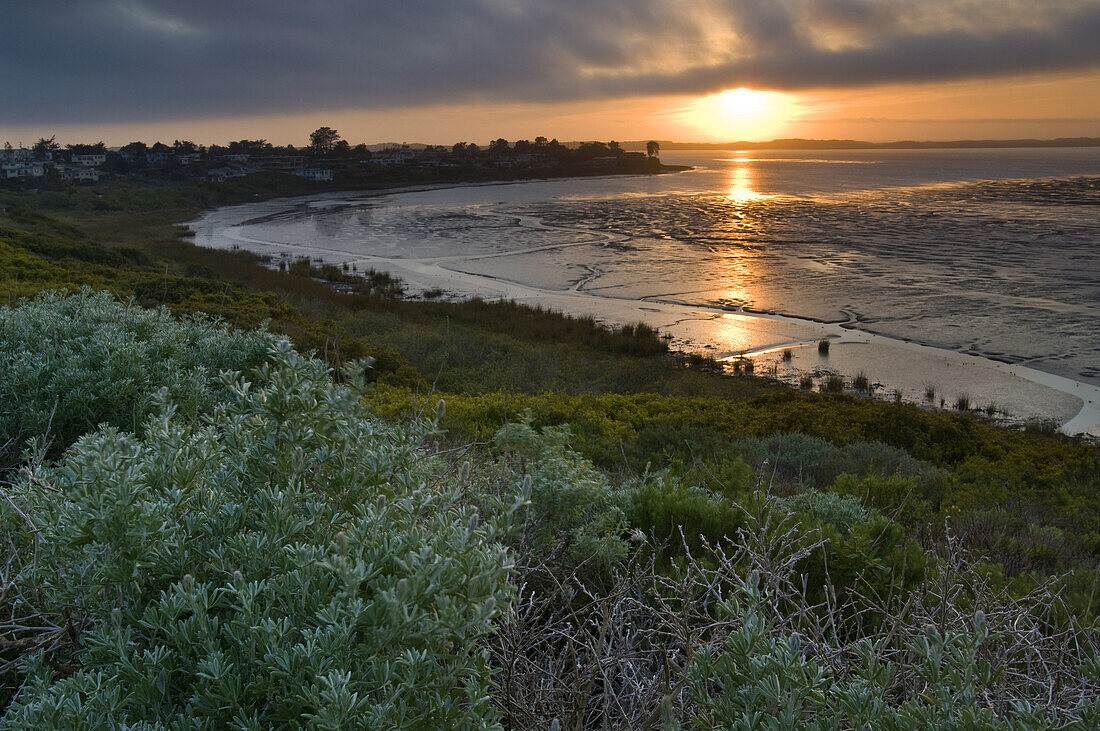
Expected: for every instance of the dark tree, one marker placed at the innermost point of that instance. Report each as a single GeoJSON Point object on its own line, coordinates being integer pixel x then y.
{"type": "Point", "coordinates": [97, 148]}
{"type": "Point", "coordinates": [652, 148]}
{"type": "Point", "coordinates": [44, 148]}
{"type": "Point", "coordinates": [322, 141]}
{"type": "Point", "coordinates": [134, 149]}
{"type": "Point", "coordinates": [242, 147]}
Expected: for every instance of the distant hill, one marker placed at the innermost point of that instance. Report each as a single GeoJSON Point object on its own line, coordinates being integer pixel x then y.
{"type": "Point", "coordinates": [804, 144]}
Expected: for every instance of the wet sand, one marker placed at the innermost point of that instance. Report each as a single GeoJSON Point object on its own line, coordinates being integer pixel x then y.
{"type": "Point", "coordinates": [893, 366]}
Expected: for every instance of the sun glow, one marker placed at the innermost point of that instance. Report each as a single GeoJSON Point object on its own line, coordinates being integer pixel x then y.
{"type": "Point", "coordinates": [741, 114]}
{"type": "Point", "coordinates": [741, 103]}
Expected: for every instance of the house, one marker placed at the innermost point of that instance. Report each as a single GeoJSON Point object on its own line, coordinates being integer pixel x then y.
{"type": "Point", "coordinates": [393, 157]}
{"type": "Point", "coordinates": [11, 170]}
{"type": "Point", "coordinates": [78, 174]}
{"type": "Point", "coordinates": [92, 160]}
{"type": "Point", "coordinates": [189, 159]}
{"type": "Point", "coordinates": [13, 155]}
{"type": "Point", "coordinates": [319, 174]}
{"type": "Point", "coordinates": [157, 159]}
{"type": "Point", "coordinates": [240, 158]}
{"type": "Point", "coordinates": [219, 175]}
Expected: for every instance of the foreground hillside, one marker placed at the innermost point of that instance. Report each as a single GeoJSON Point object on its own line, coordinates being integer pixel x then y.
{"type": "Point", "coordinates": [241, 542]}
{"type": "Point", "coordinates": [522, 516]}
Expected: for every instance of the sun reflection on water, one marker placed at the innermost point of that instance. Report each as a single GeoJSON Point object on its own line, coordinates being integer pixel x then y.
{"type": "Point", "coordinates": [742, 182]}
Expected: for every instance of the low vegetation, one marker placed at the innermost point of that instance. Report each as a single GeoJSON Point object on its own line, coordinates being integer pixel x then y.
{"type": "Point", "coordinates": [419, 514]}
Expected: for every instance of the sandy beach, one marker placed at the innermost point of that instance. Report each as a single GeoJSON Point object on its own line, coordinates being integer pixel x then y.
{"type": "Point", "coordinates": [894, 366]}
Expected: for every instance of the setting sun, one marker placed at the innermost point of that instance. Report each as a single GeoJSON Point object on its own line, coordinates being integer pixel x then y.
{"type": "Point", "coordinates": [741, 103]}
{"type": "Point", "coordinates": [741, 114]}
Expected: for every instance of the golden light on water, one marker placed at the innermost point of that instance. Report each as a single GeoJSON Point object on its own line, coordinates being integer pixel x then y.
{"type": "Point", "coordinates": [741, 184]}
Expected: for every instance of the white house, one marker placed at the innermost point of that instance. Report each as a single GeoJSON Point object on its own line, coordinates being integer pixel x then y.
{"type": "Point", "coordinates": [392, 157]}
{"type": "Point", "coordinates": [218, 175]}
{"type": "Point", "coordinates": [318, 174]}
{"type": "Point", "coordinates": [78, 174]}
{"type": "Point", "coordinates": [22, 170]}
{"type": "Point", "coordinates": [92, 160]}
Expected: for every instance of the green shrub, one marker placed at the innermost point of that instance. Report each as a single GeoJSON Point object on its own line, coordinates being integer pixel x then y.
{"type": "Point", "coordinates": [762, 677]}
{"type": "Point", "coordinates": [722, 476]}
{"type": "Point", "coordinates": [573, 517]}
{"type": "Point", "coordinates": [70, 363]}
{"type": "Point", "coordinates": [674, 513]}
{"type": "Point", "coordinates": [286, 562]}
{"type": "Point", "coordinates": [841, 511]}
{"type": "Point", "coordinates": [891, 494]}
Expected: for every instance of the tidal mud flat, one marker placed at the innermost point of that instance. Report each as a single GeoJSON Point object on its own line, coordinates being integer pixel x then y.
{"type": "Point", "coordinates": [1003, 320]}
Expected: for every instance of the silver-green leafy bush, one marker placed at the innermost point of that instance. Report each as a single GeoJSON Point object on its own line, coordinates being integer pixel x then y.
{"type": "Point", "coordinates": [285, 561]}
{"type": "Point", "coordinates": [70, 363]}
{"type": "Point", "coordinates": [842, 511]}
{"type": "Point", "coordinates": [573, 516]}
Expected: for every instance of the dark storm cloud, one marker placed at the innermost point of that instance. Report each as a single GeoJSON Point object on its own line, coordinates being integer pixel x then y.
{"type": "Point", "coordinates": [122, 60]}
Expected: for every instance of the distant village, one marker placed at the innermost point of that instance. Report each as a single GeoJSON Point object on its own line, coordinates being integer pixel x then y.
{"type": "Point", "coordinates": [327, 158]}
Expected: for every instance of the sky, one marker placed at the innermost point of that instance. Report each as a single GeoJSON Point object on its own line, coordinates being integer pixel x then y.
{"type": "Point", "coordinates": [442, 71]}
